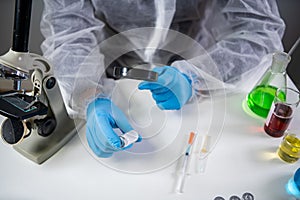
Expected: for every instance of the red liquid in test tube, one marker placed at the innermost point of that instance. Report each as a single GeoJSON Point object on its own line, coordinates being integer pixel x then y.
{"type": "Point", "coordinates": [278, 120]}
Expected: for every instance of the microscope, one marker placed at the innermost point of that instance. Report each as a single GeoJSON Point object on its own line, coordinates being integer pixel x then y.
{"type": "Point", "coordinates": [36, 122]}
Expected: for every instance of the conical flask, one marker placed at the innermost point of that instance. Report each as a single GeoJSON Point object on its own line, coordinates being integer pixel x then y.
{"type": "Point", "coordinates": [260, 98]}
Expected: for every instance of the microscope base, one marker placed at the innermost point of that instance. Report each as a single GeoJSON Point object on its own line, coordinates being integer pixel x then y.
{"type": "Point", "coordinates": [39, 149]}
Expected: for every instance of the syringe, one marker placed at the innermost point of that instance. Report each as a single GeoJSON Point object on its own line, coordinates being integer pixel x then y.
{"type": "Point", "coordinates": [183, 170]}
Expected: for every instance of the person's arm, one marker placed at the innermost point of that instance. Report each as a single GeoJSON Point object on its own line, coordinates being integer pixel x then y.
{"type": "Point", "coordinates": [72, 34]}
{"type": "Point", "coordinates": [236, 35]}
{"type": "Point", "coordinates": [72, 42]}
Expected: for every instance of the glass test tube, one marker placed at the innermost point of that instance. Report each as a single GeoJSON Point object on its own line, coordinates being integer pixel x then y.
{"type": "Point", "coordinates": [203, 147]}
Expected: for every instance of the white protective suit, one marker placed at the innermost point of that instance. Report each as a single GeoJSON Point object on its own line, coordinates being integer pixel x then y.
{"type": "Point", "coordinates": [236, 34]}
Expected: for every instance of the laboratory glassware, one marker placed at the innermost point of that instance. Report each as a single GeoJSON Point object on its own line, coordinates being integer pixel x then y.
{"type": "Point", "coordinates": [282, 110]}
{"type": "Point", "coordinates": [289, 149]}
{"type": "Point", "coordinates": [293, 185]}
{"type": "Point", "coordinates": [260, 98]}
{"type": "Point", "coordinates": [203, 147]}
{"type": "Point", "coordinates": [128, 138]}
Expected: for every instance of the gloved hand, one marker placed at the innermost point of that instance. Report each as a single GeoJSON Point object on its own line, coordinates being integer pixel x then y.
{"type": "Point", "coordinates": [102, 116]}
{"type": "Point", "coordinates": [172, 89]}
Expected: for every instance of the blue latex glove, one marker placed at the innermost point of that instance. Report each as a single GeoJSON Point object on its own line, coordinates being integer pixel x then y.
{"type": "Point", "coordinates": [172, 89]}
{"type": "Point", "coordinates": [102, 117]}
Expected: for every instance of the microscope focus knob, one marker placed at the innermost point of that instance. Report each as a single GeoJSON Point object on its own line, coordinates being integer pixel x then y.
{"type": "Point", "coordinates": [50, 83]}
{"type": "Point", "coordinates": [46, 126]}
{"type": "Point", "coordinates": [13, 131]}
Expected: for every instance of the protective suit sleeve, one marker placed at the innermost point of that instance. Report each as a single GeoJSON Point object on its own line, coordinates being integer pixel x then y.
{"type": "Point", "coordinates": [236, 35]}
{"type": "Point", "coordinates": [72, 34]}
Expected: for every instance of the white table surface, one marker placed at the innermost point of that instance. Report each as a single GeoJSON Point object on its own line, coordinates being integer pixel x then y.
{"type": "Point", "coordinates": [239, 163]}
